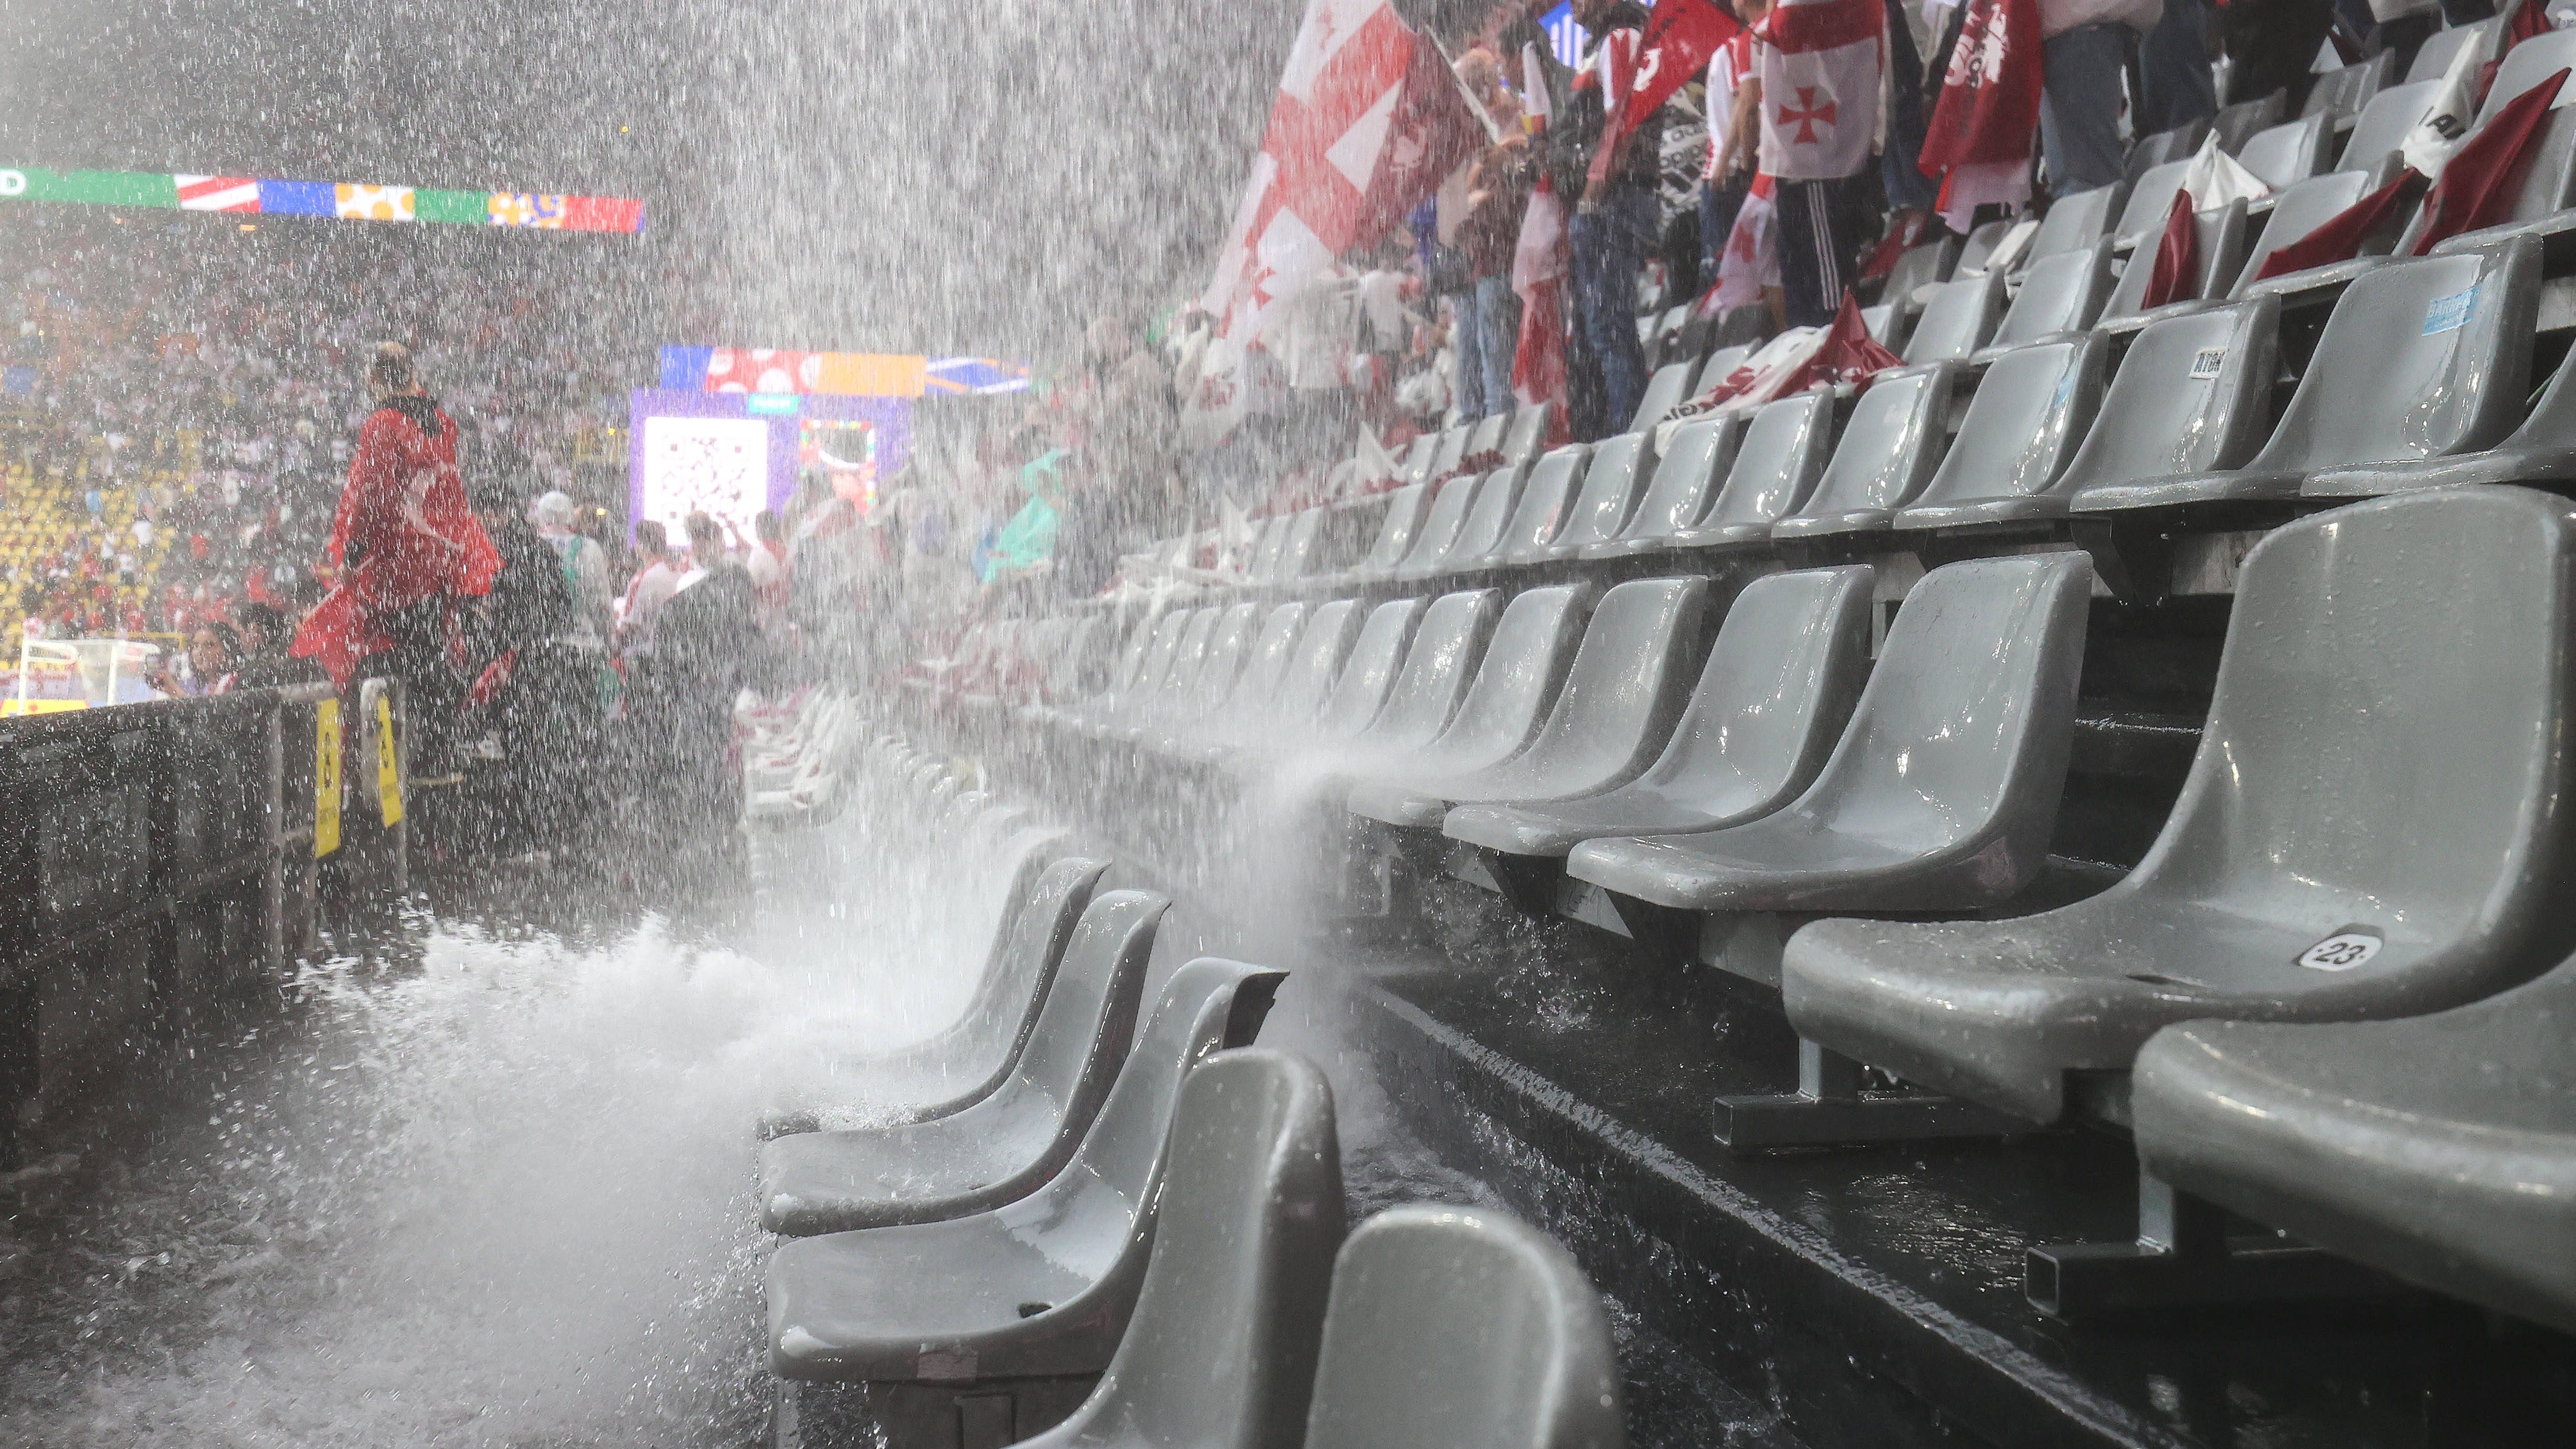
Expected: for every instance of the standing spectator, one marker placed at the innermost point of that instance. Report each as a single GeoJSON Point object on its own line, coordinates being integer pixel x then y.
{"type": "Point", "coordinates": [2091, 47]}
{"type": "Point", "coordinates": [1734, 136]}
{"type": "Point", "coordinates": [212, 650]}
{"type": "Point", "coordinates": [656, 579]}
{"type": "Point", "coordinates": [1489, 322]}
{"type": "Point", "coordinates": [1616, 220]}
{"type": "Point", "coordinates": [1820, 67]}
{"type": "Point", "coordinates": [585, 572]}
{"type": "Point", "coordinates": [767, 562]}
{"type": "Point", "coordinates": [706, 645]}
{"type": "Point", "coordinates": [2175, 88]}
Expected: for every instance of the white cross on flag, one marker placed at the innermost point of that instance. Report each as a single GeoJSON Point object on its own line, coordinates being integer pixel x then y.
{"type": "Point", "coordinates": [1366, 124]}
{"type": "Point", "coordinates": [1820, 63]}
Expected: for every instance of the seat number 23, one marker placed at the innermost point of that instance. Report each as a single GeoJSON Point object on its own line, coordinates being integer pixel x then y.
{"type": "Point", "coordinates": [2341, 951]}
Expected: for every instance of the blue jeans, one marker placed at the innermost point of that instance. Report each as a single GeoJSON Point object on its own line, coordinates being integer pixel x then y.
{"type": "Point", "coordinates": [1610, 245]}
{"type": "Point", "coordinates": [2079, 111]}
{"type": "Point", "coordinates": [2175, 85]}
{"type": "Point", "coordinates": [1719, 201]}
{"type": "Point", "coordinates": [1495, 325]}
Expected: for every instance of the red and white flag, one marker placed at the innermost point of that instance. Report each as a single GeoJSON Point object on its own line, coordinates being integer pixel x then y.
{"type": "Point", "coordinates": [1751, 260]}
{"type": "Point", "coordinates": [1822, 63]}
{"type": "Point", "coordinates": [1978, 141]}
{"type": "Point", "coordinates": [1366, 124]}
{"type": "Point", "coordinates": [217, 193]}
{"type": "Point", "coordinates": [1639, 71]}
{"type": "Point", "coordinates": [1539, 266]}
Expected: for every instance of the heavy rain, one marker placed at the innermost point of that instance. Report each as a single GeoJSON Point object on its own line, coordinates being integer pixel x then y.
{"type": "Point", "coordinates": [1429, 723]}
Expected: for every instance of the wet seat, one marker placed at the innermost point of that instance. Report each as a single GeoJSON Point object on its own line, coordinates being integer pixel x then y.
{"type": "Point", "coordinates": [1440, 664]}
{"type": "Point", "coordinates": [2237, 124]}
{"type": "Point", "coordinates": [1527, 435]}
{"type": "Point", "coordinates": [1043, 1285]}
{"type": "Point", "coordinates": [1524, 661]}
{"type": "Point", "coordinates": [1168, 665]}
{"type": "Point", "coordinates": [1620, 698]}
{"type": "Point", "coordinates": [1370, 670]}
{"type": "Point", "coordinates": [2433, 58]}
{"type": "Point", "coordinates": [2440, 1149]}
{"type": "Point", "coordinates": [1395, 533]}
{"type": "Point", "coordinates": [2381, 126]}
{"type": "Point", "coordinates": [2289, 153]}
{"type": "Point", "coordinates": [1002, 1147]}
{"type": "Point", "coordinates": [2421, 358]}
{"type": "Point", "coordinates": [1553, 482]}
{"type": "Point", "coordinates": [2340, 94]}
{"type": "Point", "coordinates": [1958, 319]}
{"type": "Point", "coordinates": [1305, 543]}
{"type": "Point", "coordinates": [1612, 481]}
{"type": "Point", "coordinates": [2296, 212]}
{"type": "Point", "coordinates": [968, 1060]}
{"type": "Point", "coordinates": [1198, 691]}
{"type": "Point", "coordinates": [2076, 223]}
{"type": "Point", "coordinates": [2349, 841]}
{"type": "Point", "coordinates": [1321, 652]}
{"type": "Point", "coordinates": [1221, 1349]}
{"type": "Point", "coordinates": [1480, 531]}
{"type": "Point", "coordinates": [2030, 413]}
{"type": "Point", "coordinates": [1789, 659]}
{"type": "Point", "coordinates": [1943, 789]}
{"type": "Point", "coordinates": [1669, 388]}
{"type": "Point", "coordinates": [2541, 204]}
{"type": "Point", "coordinates": [1256, 689]}
{"type": "Point", "coordinates": [1439, 527]}
{"type": "Point", "coordinates": [2219, 244]}
{"type": "Point", "coordinates": [1785, 448]}
{"type": "Point", "coordinates": [2060, 293]}
{"type": "Point", "coordinates": [1685, 481]}
{"type": "Point", "coordinates": [1889, 448]}
{"type": "Point", "coordinates": [2541, 451]}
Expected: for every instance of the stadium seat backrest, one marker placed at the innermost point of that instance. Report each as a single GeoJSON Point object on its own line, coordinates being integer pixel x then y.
{"type": "Point", "coordinates": [1360, 692]}
{"type": "Point", "coordinates": [1980, 245]}
{"type": "Point", "coordinates": [1487, 437]}
{"type": "Point", "coordinates": [1439, 666]}
{"type": "Point", "coordinates": [2288, 153]}
{"type": "Point", "coordinates": [1722, 364]}
{"type": "Point", "coordinates": [1624, 688]}
{"type": "Point", "coordinates": [1459, 1328]}
{"type": "Point", "coordinates": [1958, 320]}
{"type": "Point", "coordinates": [1891, 444]}
{"type": "Point", "coordinates": [2219, 238]}
{"type": "Point", "coordinates": [1528, 432]}
{"type": "Point", "coordinates": [2383, 125]}
{"type": "Point", "coordinates": [2339, 93]}
{"type": "Point", "coordinates": [2549, 177]}
{"type": "Point", "coordinates": [1228, 647]}
{"type": "Point", "coordinates": [1439, 526]}
{"type": "Point", "coordinates": [2150, 201]}
{"type": "Point", "coordinates": [1919, 267]}
{"type": "Point", "coordinates": [1305, 539]}
{"type": "Point", "coordinates": [1482, 532]}
{"type": "Point", "coordinates": [1453, 446]}
{"type": "Point", "coordinates": [1668, 388]}
{"type": "Point", "coordinates": [2421, 358]}
{"type": "Point", "coordinates": [1272, 649]}
{"type": "Point", "coordinates": [2192, 395]}
{"type": "Point", "coordinates": [2060, 293]}
{"type": "Point", "coordinates": [1777, 465]}
{"type": "Point", "coordinates": [2177, 144]}
{"type": "Point", "coordinates": [2295, 213]}
{"type": "Point", "coordinates": [1611, 482]}
{"type": "Point", "coordinates": [1266, 548]}
{"type": "Point", "coordinates": [2433, 57]}
{"type": "Point", "coordinates": [1221, 1350]}
{"type": "Point", "coordinates": [1320, 652]}
{"type": "Point", "coordinates": [2030, 411]}
{"type": "Point", "coordinates": [2237, 124]}
{"type": "Point", "coordinates": [2074, 223]}
{"type": "Point", "coordinates": [1686, 478]}
{"type": "Point", "coordinates": [1541, 510]}
{"type": "Point", "coordinates": [1395, 531]}
{"type": "Point", "coordinates": [1416, 465]}
{"type": "Point", "coordinates": [1524, 662]}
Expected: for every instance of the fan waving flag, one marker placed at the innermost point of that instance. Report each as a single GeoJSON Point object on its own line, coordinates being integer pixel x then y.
{"type": "Point", "coordinates": [1680, 37]}
{"type": "Point", "coordinates": [1979, 140]}
{"type": "Point", "coordinates": [1366, 123]}
{"type": "Point", "coordinates": [1822, 63]}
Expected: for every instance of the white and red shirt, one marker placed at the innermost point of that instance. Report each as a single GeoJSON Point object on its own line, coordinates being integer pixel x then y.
{"type": "Point", "coordinates": [1726, 71]}
{"type": "Point", "coordinates": [1823, 65]}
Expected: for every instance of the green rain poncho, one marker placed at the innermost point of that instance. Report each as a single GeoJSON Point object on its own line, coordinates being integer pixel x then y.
{"type": "Point", "coordinates": [1029, 538]}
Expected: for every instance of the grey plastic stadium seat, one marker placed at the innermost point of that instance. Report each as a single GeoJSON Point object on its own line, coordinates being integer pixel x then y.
{"type": "Point", "coordinates": [2440, 1149]}
{"type": "Point", "coordinates": [1305, 538]}
{"type": "Point", "coordinates": [1396, 532]}
{"type": "Point", "coordinates": [2075, 223]}
{"type": "Point", "coordinates": [2433, 58]}
{"type": "Point", "coordinates": [2372, 147]}
{"type": "Point", "coordinates": [2350, 841]}
{"type": "Point", "coordinates": [2178, 144]}
{"type": "Point", "coordinates": [2289, 153]}
{"type": "Point", "coordinates": [2541, 451]}
{"type": "Point", "coordinates": [1528, 433]}
{"type": "Point", "coordinates": [1180, 667]}
{"type": "Point", "coordinates": [1918, 267]}
{"type": "Point", "coordinates": [1005, 1145]}
{"type": "Point", "coordinates": [967, 1061]}
{"type": "Point", "coordinates": [1889, 448]}
{"type": "Point", "coordinates": [1415, 467]}
{"type": "Point", "coordinates": [2059, 294]}
{"type": "Point", "coordinates": [1481, 531]}
{"type": "Point", "coordinates": [2548, 174]}
{"type": "Point", "coordinates": [1302, 689]}
{"type": "Point", "coordinates": [1207, 684]}
{"type": "Point", "coordinates": [1459, 1328]}
{"type": "Point", "coordinates": [1775, 693]}
{"type": "Point", "coordinates": [1524, 661]}
{"type": "Point", "coordinates": [1369, 673]}
{"type": "Point", "coordinates": [1151, 666]}
{"type": "Point", "coordinates": [2422, 358]}
{"type": "Point", "coordinates": [1722, 364]}
{"type": "Point", "coordinates": [2150, 201]}
{"type": "Point", "coordinates": [1251, 704]}
{"type": "Point", "coordinates": [1621, 695]}
{"type": "Point", "coordinates": [2340, 94]}
{"type": "Point", "coordinates": [1669, 388]}
{"type": "Point", "coordinates": [1944, 787]}
{"type": "Point", "coordinates": [1886, 324]}
{"type": "Point", "coordinates": [1439, 667]}
{"type": "Point", "coordinates": [1957, 320]}
{"type": "Point", "coordinates": [1440, 525]}
{"type": "Point", "coordinates": [1487, 436]}
{"type": "Point", "coordinates": [1612, 483]}
{"type": "Point", "coordinates": [2027, 419]}
{"type": "Point", "coordinates": [1980, 245]}
{"type": "Point", "coordinates": [1685, 480]}
{"type": "Point", "coordinates": [2237, 124]}
{"type": "Point", "coordinates": [1041, 1285]}
{"type": "Point", "coordinates": [2295, 213]}
{"type": "Point", "coordinates": [1222, 1347]}
{"type": "Point", "coordinates": [1266, 548]}
{"type": "Point", "coordinates": [1776, 467]}
{"type": "Point", "coordinates": [2220, 243]}
{"type": "Point", "coordinates": [1551, 489]}
{"type": "Point", "coordinates": [1453, 446]}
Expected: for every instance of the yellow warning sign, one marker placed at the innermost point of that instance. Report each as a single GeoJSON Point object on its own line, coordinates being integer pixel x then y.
{"type": "Point", "coordinates": [388, 763]}
{"type": "Point", "coordinates": [326, 778]}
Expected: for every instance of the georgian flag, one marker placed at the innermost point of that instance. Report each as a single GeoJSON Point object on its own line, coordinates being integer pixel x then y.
{"type": "Point", "coordinates": [217, 193]}
{"type": "Point", "coordinates": [1822, 65]}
